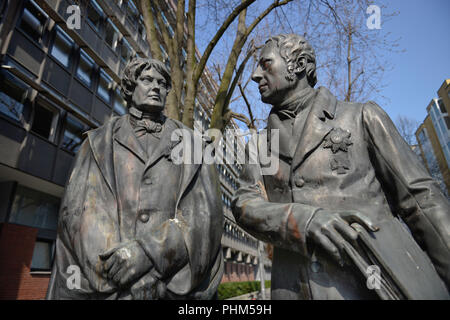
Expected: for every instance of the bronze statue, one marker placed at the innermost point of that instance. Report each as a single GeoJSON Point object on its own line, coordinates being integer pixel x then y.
{"type": "Point", "coordinates": [133, 224]}
{"type": "Point", "coordinates": [346, 185]}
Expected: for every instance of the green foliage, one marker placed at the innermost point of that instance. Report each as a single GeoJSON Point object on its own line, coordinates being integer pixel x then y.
{"type": "Point", "coordinates": [233, 289]}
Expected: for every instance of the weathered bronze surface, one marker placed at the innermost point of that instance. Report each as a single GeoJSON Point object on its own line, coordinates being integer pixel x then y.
{"type": "Point", "coordinates": [345, 177]}
{"type": "Point", "coordinates": [132, 222]}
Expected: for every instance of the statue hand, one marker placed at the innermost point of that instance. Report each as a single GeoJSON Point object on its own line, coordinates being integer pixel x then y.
{"type": "Point", "coordinates": [329, 229]}
{"type": "Point", "coordinates": [125, 263]}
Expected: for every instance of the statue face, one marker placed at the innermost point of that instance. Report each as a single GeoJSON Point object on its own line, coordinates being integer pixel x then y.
{"type": "Point", "coordinates": [150, 92]}
{"type": "Point", "coordinates": [271, 75]}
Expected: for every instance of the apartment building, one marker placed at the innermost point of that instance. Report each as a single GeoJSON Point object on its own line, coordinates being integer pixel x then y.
{"type": "Point", "coordinates": [57, 82]}
{"type": "Point", "coordinates": [433, 136]}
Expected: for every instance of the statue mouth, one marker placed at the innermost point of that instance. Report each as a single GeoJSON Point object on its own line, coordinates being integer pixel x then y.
{"type": "Point", "coordinates": [154, 97]}
{"type": "Point", "coordinates": [262, 88]}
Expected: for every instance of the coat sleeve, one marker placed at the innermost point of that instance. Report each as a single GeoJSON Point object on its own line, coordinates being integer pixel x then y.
{"type": "Point", "coordinates": [85, 229]}
{"type": "Point", "coordinates": [411, 192]}
{"type": "Point", "coordinates": [282, 224]}
{"type": "Point", "coordinates": [185, 250]}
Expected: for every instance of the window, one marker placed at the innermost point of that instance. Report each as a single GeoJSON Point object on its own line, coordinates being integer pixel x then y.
{"type": "Point", "coordinates": [72, 138]}
{"type": "Point", "coordinates": [112, 35]}
{"type": "Point", "coordinates": [33, 20]}
{"type": "Point", "coordinates": [126, 51]}
{"type": "Point", "coordinates": [35, 209]}
{"type": "Point", "coordinates": [119, 103]}
{"type": "Point", "coordinates": [132, 12]}
{"type": "Point", "coordinates": [447, 122]}
{"type": "Point", "coordinates": [42, 256]}
{"type": "Point", "coordinates": [62, 47]}
{"type": "Point", "coordinates": [43, 121]}
{"type": "Point", "coordinates": [95, 14]}
{"type": "Point", "coordinates": [13, 93]}
{"type": "Point", "coordinates": [85, 68]}
{"type": "Point", "coordinates": [441, 106]}
{"type": "Point", "coordinates": [104, 85]}
{"type": "Point", "coordinates": [141, 29]}
{"type": "Point", "coordinates": [169, 27]}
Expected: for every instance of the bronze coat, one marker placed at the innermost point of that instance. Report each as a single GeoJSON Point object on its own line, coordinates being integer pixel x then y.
{"type": "Point", "coordinates": [117, 193]}
{"type": "Point", "coordinates": [378, 175]}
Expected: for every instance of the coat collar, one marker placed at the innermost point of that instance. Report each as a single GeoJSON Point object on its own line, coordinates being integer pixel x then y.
{"type": "Point", "coordinates": [316, 125]}
{"type": "Point", "coordinates": [124, 134]}
{"type": "Point", "coordinates": [101, 142]}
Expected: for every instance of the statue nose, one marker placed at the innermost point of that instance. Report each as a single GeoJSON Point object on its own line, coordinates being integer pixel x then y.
{"type": "Point", "coordinates": [256, 76]}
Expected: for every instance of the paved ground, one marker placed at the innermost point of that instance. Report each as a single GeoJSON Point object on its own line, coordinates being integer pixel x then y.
{"type": "Point", "coordinates": [256, 295]}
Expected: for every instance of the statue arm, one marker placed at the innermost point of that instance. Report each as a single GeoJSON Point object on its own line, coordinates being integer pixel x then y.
{"type": "Point", "coordinates": [185, 250]}
{"type": "Point", "coordinates": [282, 224]}
{"type": "Point", "coordinates": [80, 249]}
{"type": "Point", "coordinates": [410, 190]}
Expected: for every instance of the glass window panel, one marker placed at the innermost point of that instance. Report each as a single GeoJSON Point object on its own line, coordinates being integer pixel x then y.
{"type": "Point", "coordinates": [441, 106]}
{"type": "Point", "coordinates": [95, 14]}
{"type": "Point", "coordinates": [141, 29]}
{"type": "Point", "coordinates": [447, 122]}
{"type": "Point", "coordinates": [132, 11]}
{"type": "Point", "coordinates": [62, 47]}
{"type": "Point", "coordinates": [42, 122]}
{"type": "Point", "coordinates": [42, 256]}
{"type": "Point", "coordinates": [72, 138]}
{"type": "Point", "coordinates": [119, 103]}
{"type": "Point", "coordinates": [104, 85]}
{"type": "Point", "coordinates": [13, 93]}
{"type": "Point", "coordinates": [85, 68]}
{"type": "Point", "coordinates": [126, 50]}
{"type": "Point", "coordinates": [112, 35]}
{"type": "Point", "coordinates": [33, 20]}
{"type": "Point", "coordinates": [35, 209]}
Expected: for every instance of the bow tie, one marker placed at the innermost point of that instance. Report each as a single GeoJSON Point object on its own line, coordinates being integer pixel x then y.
{"type": "Point", "coordinates": [144, 126]}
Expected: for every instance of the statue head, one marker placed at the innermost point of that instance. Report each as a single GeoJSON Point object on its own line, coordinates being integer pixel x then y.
{"type": "Point", "coordinates": [145, 84]}
{"type": "Point", "coordinates": [286, 62]}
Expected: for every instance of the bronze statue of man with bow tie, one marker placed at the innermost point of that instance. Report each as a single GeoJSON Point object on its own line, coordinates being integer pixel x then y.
{"type": "Point", "coordinates": [347, 186]}
{"type": "Point", "coordinates": [134, 224]}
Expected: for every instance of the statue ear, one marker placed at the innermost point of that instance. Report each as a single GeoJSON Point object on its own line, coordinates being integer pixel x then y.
{"type": "Point", "coordinates": [301, 64]}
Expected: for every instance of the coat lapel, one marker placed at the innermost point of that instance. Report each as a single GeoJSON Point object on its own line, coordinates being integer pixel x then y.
{"type": "Point", "coordinates": [101, 142]}
{"type": "Point", "coordinates": [316, 125]}
{"type": "Point", "coordinates": [189, 170]}
{"type": "Point", "coordinates": [125, 136]}
{"type": "Point", "coordinates": [164, 143]}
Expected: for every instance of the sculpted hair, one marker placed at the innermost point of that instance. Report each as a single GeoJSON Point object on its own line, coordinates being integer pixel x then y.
{"type": "Point", "coordinates": [293, 47]}
{"type": "Point", "coordinates": [133, 71]}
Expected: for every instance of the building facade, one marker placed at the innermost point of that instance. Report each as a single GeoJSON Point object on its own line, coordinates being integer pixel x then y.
{"type": "Point", "coordinates": [56, 82]}
{"type": "Point", "coordinates": [433, 136]}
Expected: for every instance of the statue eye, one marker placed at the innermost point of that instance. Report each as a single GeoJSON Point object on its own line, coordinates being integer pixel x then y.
{"type": "Point", "coordinates": [266, 64]}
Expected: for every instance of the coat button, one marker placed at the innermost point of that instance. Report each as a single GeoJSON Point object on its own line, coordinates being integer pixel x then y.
{"type": "Point", "coordinates": [148, 181]}
{"type": "Point", "coordinates": [299, 182]}
{"type": "Point", "coordinates": [144, 217]}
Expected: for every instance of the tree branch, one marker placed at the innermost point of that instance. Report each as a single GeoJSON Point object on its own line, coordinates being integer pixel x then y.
{"type": "Point", "coordinates": [201, 65]}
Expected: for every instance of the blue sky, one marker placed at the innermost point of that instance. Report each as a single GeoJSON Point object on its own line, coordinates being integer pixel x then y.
{"type": "Point", "coordinates": [418, 72]}
{"type": "Point", "coordinates": [424, 28]}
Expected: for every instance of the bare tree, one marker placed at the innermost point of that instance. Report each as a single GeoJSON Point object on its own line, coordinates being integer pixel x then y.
{"type": "Point", "coordinates": [351, 57]}
{"type": "Point", "coordinates": [186, 74]}
{"type": "Point", "coordinates": [407, 128]}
